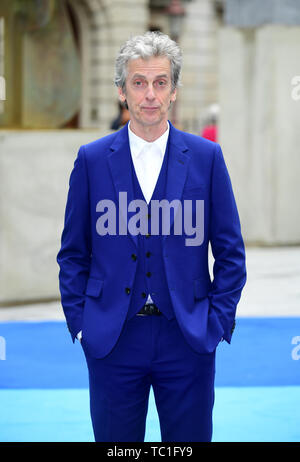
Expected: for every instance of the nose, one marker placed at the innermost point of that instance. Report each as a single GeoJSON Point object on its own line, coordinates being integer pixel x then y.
{"type": "Point", "coordinates": [150, 95]}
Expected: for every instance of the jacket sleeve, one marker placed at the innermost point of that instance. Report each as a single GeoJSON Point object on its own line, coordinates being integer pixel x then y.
{"type": "Point", "coordinates": [229, 269]}
{"type": "Point", "coordinates": [75, 253]}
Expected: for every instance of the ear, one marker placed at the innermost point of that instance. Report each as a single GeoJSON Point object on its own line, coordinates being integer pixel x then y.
{"type": "Point", "coordinates": [122, 96]}
{"type": "Point", "coordinates": [173, 96]}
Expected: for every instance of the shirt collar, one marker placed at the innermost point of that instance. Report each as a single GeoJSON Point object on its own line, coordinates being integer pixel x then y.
{"type": "Point", "coordinates": [137, 143]}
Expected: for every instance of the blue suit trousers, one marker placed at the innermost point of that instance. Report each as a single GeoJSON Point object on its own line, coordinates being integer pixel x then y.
{"type": "Point", "coordinates": [151, 351]}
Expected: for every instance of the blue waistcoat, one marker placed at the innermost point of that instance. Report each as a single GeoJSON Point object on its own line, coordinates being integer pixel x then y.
{"type": "Point", "coordinates": [150, 275]}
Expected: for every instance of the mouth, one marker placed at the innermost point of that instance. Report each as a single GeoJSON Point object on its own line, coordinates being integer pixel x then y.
{"type": "Point", "coordinates": [150, 108]}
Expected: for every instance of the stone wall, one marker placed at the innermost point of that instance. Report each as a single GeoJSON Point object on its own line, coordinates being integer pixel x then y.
{"type": "Point", "coordinates": [34, 174]}
{"type": "Point", "coordinates": [259, 128]}
{"type": "Point", "coordinates": [200, 65]}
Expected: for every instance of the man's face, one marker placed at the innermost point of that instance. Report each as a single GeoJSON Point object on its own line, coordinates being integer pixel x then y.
{"type": "Point", "coordinates": [148, 92]}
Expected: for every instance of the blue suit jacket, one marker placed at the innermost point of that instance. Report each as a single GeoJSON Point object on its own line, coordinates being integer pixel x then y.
{"type": "Point", "coordinates": [97, 272]}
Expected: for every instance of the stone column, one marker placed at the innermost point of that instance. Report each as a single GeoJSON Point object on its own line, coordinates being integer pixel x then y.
{"type": "Point", "coordinates": [111, 24]}
{"type": "Point", "coordinates": [260, 115]}
{"type": "Point", "coordinates": [200, 64]}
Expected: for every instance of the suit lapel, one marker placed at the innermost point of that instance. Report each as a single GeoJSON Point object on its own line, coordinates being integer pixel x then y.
{"type": "Point", "coordinates": [179, 158]}
{"type": "Point", "coordinates": [120, 166]}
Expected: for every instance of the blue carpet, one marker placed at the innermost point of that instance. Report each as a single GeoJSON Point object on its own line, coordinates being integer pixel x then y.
{"type": "Point", "coordinates": [246, 414]}
{"type": "Point", "coordinates": [42, 355]}
{"type": "Point", "coordinates": [44, 381]}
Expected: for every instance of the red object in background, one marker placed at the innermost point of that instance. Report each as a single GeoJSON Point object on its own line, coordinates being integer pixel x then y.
{"type": "Point", "coordinates": [210, 132]}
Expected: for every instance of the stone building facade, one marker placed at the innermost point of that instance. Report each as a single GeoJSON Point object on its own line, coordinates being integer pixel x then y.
{"type": "Point", "coordinates": [259, 95]}
{"type": "Point", "coordinates": [47, 68]}
{"type": "Point", "coordinates": [60, 94]}
{"type": "Point", "coordinates": [58, 73]}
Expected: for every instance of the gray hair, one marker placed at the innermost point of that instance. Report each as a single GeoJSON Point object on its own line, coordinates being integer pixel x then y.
{"type": "Point", "coordinates": [145, 46]}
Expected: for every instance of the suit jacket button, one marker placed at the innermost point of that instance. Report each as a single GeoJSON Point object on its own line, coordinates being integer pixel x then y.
{"type": "Point", "coordinates": [127, 290]}
{"type": "Point", "coordinates": [148, 274]}
{"type": "Point", "coordinates": [134, 257]}
{"type": "Point", "coordinates": [144, 295]}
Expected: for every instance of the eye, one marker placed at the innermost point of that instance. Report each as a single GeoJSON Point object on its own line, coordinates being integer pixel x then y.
{"type": "Point", "coordinates": [138, 83]}
{"type": "Point", "coordinates": [160, 83]}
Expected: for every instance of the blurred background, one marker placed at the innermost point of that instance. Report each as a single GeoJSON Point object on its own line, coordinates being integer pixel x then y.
{"type": "Point", "coordinates": [240, 87]}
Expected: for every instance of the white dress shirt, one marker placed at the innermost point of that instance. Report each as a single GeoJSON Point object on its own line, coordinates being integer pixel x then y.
{"type": "Point", "coordinates": [147, 159]}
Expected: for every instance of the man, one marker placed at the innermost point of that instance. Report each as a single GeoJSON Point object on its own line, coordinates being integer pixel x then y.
{"type": "Point", "coordinates": [138, 293]}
